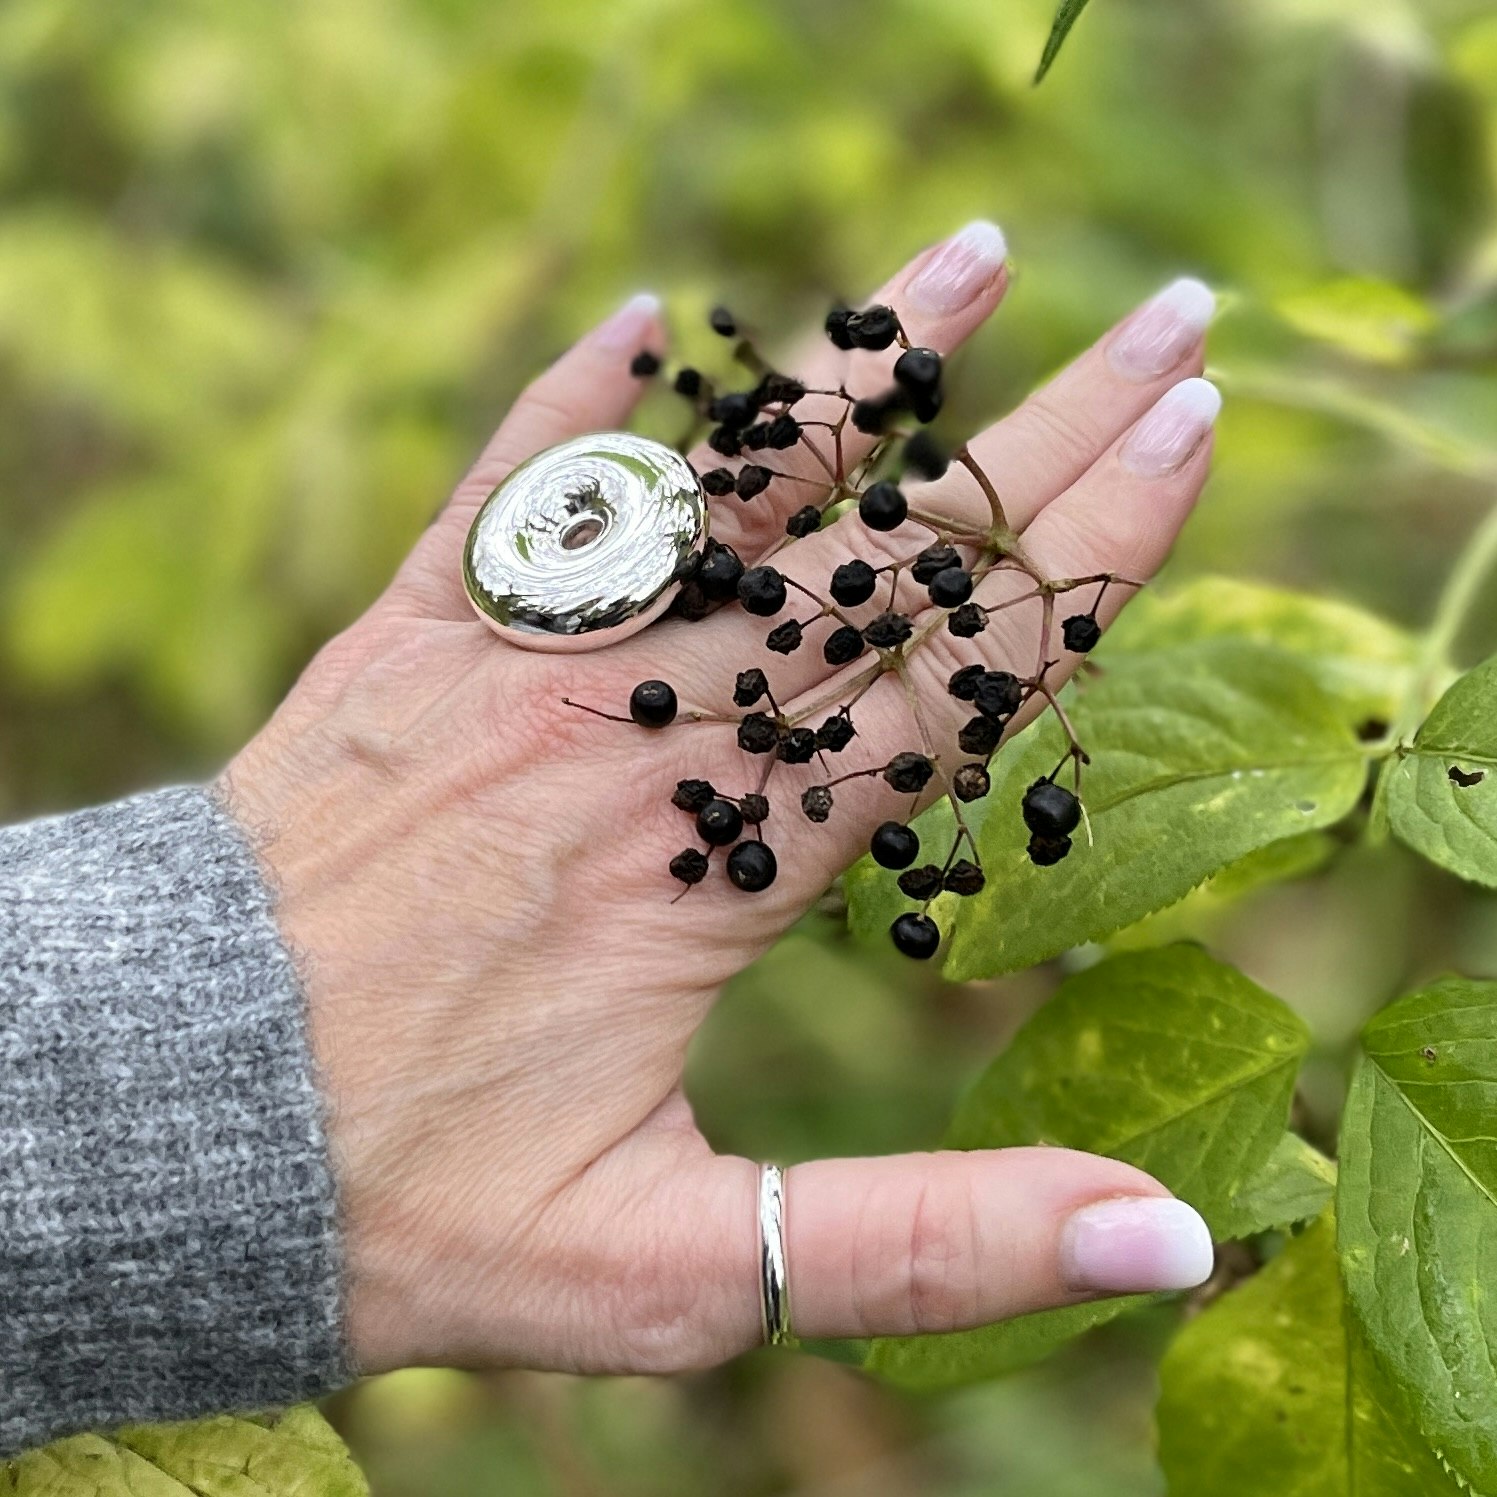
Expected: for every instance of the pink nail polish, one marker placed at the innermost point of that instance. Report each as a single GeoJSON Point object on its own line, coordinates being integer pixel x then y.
{"type": "Point", "coordinates": [1135, 1245]}
{"type": "Point", "coordinates": [1170, 432]}
{"type": "Point", "coordinates": [629, 328]}
{"type": "Point", "coordinates": [958, 270]}
{"type": "Point", "coordinates": [1162, 332]}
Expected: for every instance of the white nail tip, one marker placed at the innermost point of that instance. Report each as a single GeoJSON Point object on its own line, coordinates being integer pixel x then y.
{"type": "Point", "coordinates": [1135, 1245]}
{"type": "Point", "coordinates": [1197, 398]}
{"type": "Point", "coordinates": [983, 240]}
{"type": "Point", "coordinates": [1192, 301]}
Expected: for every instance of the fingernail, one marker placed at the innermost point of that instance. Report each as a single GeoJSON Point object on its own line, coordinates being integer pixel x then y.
{"type": "Point", "coordinates": [1159, 335]}
{"type": "Point", "coordinates": [628, 330]}
{"type": "Point", "coordinates": [1135, 1244]}
{"type": "Point", "coordinates": [958, 269]}
{"type": "Point", "coordinates": [1163, 442]}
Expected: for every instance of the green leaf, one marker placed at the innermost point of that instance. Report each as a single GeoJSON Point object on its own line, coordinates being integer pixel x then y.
{"type": "Point", "coordinates": [1370, 319]}
{"type": "Point", "coordinates": [1220, 1055]}
{"type": "Point", "coordinates": [1295, 1185]}
{"type": "Point", "coordinates": [1272, 1393]}
{"type": "Point", "coordinates": [1417, 1208]}
{"type": "Point", "coordinates": [1199, 756]}
{"type": "Point", "coordinates": [1441, 792]}
{"type": "Point", "coordinates": [297, 1454]}
{"type": "Point", "coordinates": [1362, 661]}
{"type": "Point", "coordinates": [1065, 18]}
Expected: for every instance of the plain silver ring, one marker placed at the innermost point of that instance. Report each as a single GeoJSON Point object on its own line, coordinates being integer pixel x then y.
{"type": "Point", "coordinates": [774, 1276]}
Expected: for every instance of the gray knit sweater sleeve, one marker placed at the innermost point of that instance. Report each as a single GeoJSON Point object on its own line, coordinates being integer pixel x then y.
{"type": "Point", "coordinates": [168, 1235]}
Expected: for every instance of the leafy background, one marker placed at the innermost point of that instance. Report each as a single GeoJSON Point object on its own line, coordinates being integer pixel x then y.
{"type": "Point", "coordinates": [269, 273]}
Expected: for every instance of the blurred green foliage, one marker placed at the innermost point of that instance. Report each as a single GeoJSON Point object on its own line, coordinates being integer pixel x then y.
{"type": "Point", "coordinates": [269, 274]}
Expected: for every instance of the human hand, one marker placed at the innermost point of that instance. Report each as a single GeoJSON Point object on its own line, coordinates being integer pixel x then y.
{"type": "Point", "coordinates": [500, 990]}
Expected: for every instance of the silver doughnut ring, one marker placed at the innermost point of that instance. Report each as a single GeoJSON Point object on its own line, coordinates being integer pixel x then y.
{"type": "Point", "coordinates": [774, 1275]}
{"type": "Point", "coordinates": [585, 543]}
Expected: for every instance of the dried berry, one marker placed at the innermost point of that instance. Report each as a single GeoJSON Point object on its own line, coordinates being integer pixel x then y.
{"type": "Point", "coordinates": [816, 803]}
{"type": "Point", "coordinates": [909, 772]}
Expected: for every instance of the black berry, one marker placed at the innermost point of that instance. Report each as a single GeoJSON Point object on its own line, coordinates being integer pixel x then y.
{"type": "Point", "coordinates": [1081, 633]}
{"type": "Point", "coordinates": [720, 572]}
{"type": "Point", "coordinates": [688, 382]}
{"type": "Point", "coordinates": [805, 521]}
{"type": "Point", "coordinates": [692, 795]}
{"type": "Point", "coordinates": [722, 321]}
{"type": "Point", "coordinates": [718, 481]}
{"type": "Point", "coordinates": [842, 646]}
{"type": "Point", "coordinates": [758, 733]}
{"type": "Point", "coordinates": [971, 782]}
{"type": "Point", "coordinates": [816, 803]}
{"type": "Point", "coordinates": [755, 808]}
{"type": "Point", "coordinates": [920, 883]}
{"type": "Point", "coordinates": [853, 583]}
{"type": "Point", "coordinates": [784, 431]}
{"type": "Point", "coordinates": [751, 867]}
{"type": "Point", "coordinates": [909, 772]}
{"type": "Point", "coordinates": [798, 746]}
{"type": "Point", "coordinates": [835, 733]}
{"type": "Point", "coordinates": [756, 438]}
{"type": "Point", "coordinates": [736, 409]}
{"type": "Point", "coordinates": [689, 866]}
{"type": "Point", "coordinates": [1050, 810]}
{"type": "Point", "coordinates": [932, 560]}
{"type": "Point", "coordinates": [720, 822]}
{"type": "Point", "coordinates": [894, 845]}
{"type": "Point", "coordinates": [691, 602]}
{"type": "Point", "coordinates": [998, 694]}
{"type": "Point", "coordinates": [836, 327]}
{"type": "Point", "coordinates": [883, 506]}
{"type": "Point", "coordinates": [924, 457]}
{"type": "Point", "coordinates": [725, 440]}
{"type": "Point", "coordinates": [872, 416]}
{"type": "Point", "coordinates": [979, 735]}
{"type": "Point", "coordinates": [752, 481]}
{"type": "Point", "coordinates": [652, 704]}
{"type": "Point", "coordinates": [917, 371]}
{"type": "Point", "coordinates": [916, 936]}
{"type": "Point", "coordinates": [644, 364]}
{"type": "Point", "coordinates": [888, 631]}
{"type": "Point", "coordinates": [967, 621]}
{"type": "Point", "coordinates": [750, 686]}
{"type": "Point", "coordinates": [779, 389]}
{"type": "Point", "coordinates": [761, 590]}
{"type": "Point", "coordinates": [1045, 851]}
{"type": "Point", "coordinates": [963, 877]}
{"type": "Point", "coordinates": [926, 406]}
{"type": "Point", "coordinates": [950, 588]}
{"type": "Point", "coordinates": [963, 682]}
{"type": "Point", "coordinates": [873, 328]}
{"type": "Point", "coordinates": [784, 639]}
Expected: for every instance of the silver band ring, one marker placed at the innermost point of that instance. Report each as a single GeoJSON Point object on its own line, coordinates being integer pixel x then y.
{"type": "Point", "coordinates": [774, 1278]}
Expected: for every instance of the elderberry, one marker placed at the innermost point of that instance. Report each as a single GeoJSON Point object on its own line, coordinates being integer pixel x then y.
{"type": "Point", "coordinates": [718, 482]}
{"type": "Point", "coordinates": [909, 772]}
{"type": "Point", "coordinates": [689, 866]}
{"type": "Point", "coordinates": [842, 646]}
{"type": "Point", "coordinates": [920, 883]}
{"type": "Point", "coordinates": [853, 583]}
{"type": "Point", "coordinates": [784, 639]}
{"type": "Point", "coordinates": [720, 822]}
{"type": "Point", "coordinates": [963, 877]}
{"type": "Point", "coordinates": [963, 682]}
{"type": "Point", "coordinates": [894, 845]}
{"type": "Point", "coordinates": [758, 733]}
{"type": "Point", "coordinates": [816, 803]}
{"type": "Point", "coordinates": [874, 328]}
{"type": "Point", "coordinates": [761, 590]}
{"type": "Point", "coordinates": [932, 561]}
{"type": "Point", "coordinates": [750, 686]}
{"type": "Point", "coordinates": [916, 936]}
{"type": "Point", "coordinates": [644, 364]}
{"type": "Point", "coordinates": [784, 431]}
{"type": "Point", "coordinates": [779, 389]}
{"type": "Point", "coordinates": [756, 438]}
{"type": "Point", "coordinates": [971, 782]}
{"type": "Point", "coordinates": [979, 735]}
{"type": "Point", "coordinates": [1046, 851]}
{"type": "Point", "coordinates": [805, 521]}
{"type": "Point", "coordinates": [888, 631]}
{"type": "Point", "coordinates": [1050, 810]}
{"type": "Point", "coordinates": [798, 746]}
{"type": "Point", "coordinates": [722, 322]}
{"type": "Point", "coordinates": [836, 327]}
{"type": "Point", "coordinates": [752, 867]}
{"type": "Point", "coordinates": [872, 415]}
{"type": "Point", "coordinates": [998, 694]}
{"type": "Point", "coordinates": [720, 572]}
{"type": "Point", "coordinates": [835, 733]}
{"type": "Point", "coordinates": [951, 587]}
{"type": "Point", "coordinates": [752, 481]}
{"type": "Point", "coordinates": [755, 808]}
{"type": "Point", "coordinates": [923, 456]}
{"type": "Point", "coordinates": [692, 795]}
{"type": "Point", "coordinates": [688, 382]}
{"type": "Point", "coordinates": [968, 621]}
{"type": "Point", "coordinates": [917, 371]}
{"type": "Point", "coordinates": [883, 506]}
{"type": "Point", "coordinates": [725, 440]}
{"type": "Point", "coordinates": [653, 704]}
{"type": "Point", "coordinates": [1081, 632]}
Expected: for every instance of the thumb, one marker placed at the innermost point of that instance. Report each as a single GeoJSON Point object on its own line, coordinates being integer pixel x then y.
{"type": "Point", "coordinates": [919, 1243]}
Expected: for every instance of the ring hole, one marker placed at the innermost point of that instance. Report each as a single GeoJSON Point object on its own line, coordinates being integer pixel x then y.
{"type": "Point", "coordinates": [581, 533]}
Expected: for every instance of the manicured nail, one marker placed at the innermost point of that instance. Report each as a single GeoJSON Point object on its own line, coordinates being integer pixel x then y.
{"type": "Point", "coordinates": [958, 269]}
{"type": "Point", "coordinates": [1135, 1244]}
{"type": "Point", "coordinates": [1159, 335]}
{"type": "Point", "coordinates": [1163, 442]}
{"type": "Point", "coordinates": [628, 330]}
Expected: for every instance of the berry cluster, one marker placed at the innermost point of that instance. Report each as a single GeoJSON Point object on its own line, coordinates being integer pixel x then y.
{"type": "Point", "coordinates": [747, 427]}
